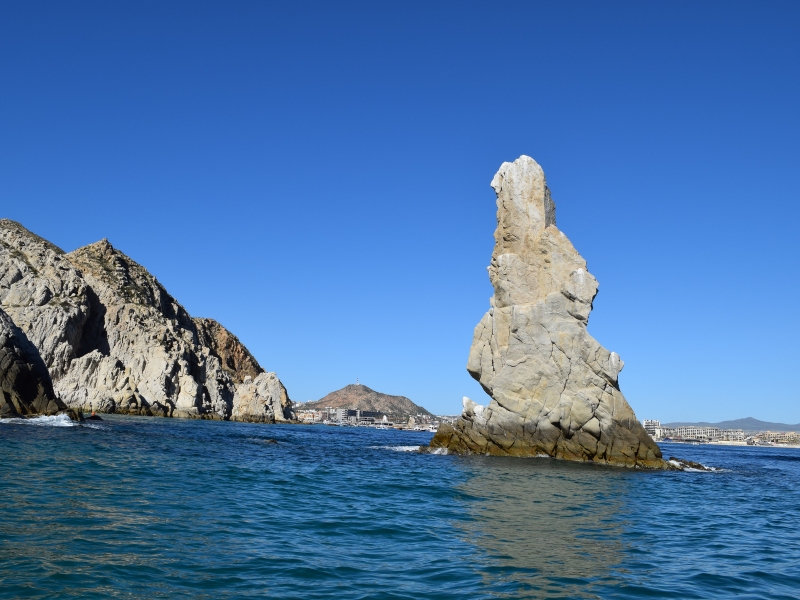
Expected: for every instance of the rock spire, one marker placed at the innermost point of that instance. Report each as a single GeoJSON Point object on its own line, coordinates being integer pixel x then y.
{"type": "Point", "coordinates": [554, 389]}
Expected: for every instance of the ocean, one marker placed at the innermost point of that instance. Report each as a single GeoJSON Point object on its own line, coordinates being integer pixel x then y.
{"type": "Point", "coordinates": [136, 507]}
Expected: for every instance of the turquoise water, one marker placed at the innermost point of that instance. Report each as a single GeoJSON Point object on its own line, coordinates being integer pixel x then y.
{"type": "Point", "coordinates": [166, 508]}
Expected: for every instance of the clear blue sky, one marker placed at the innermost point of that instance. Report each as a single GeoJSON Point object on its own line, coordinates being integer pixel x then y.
{"type": "Point", "coordinates": [315, 176]}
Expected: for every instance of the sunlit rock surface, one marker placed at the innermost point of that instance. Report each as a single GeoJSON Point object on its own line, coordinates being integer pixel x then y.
{"type": "Point", "coordinates": [262, 400]}
{"type": "Point", "coordinates": [554, 389]}
{"type": "Point", "coordinates": [111, 336]}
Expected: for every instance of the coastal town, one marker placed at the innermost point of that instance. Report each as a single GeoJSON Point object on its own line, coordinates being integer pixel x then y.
{"type": "Point", "coordinates": [714, 435]}
{"type": "Point", "coordinates": [357, 405]}
{"type": "Point", "coordinates": [689, 434]}
{"type": "Point", "coordinates": [349, 417]}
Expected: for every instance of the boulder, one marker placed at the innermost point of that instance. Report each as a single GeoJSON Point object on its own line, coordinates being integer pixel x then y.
{"type": "Point", "coordinates": [262, 400]}
{"type": "Point", "coordinates": [554, 389]}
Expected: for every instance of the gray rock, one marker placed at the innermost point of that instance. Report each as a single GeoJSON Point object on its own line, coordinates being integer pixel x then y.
{"type": "Point", "coordinates": [25, 385]}
{"type": "Point", "coordinates": [262, 400]}
{"type": "Point", "coordinates": [146, 357]}
{"type": "Point", "coordinates": [112, 337]}
{"type": "Point", "coordinates": [554, 388]}
{"type": "Point", "coordinates": [44, 294]}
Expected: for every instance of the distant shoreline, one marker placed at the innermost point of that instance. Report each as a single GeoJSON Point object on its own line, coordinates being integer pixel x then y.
{"type": "Point", "coordinates": [728, 443]}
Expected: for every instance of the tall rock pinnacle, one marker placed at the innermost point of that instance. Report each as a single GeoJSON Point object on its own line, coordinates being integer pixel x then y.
{"type": "Point", "coordinates": [554, 388]}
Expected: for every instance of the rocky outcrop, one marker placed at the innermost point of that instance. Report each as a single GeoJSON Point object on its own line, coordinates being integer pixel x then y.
{"type": "Point", "coordinates": [25, 385]}
{"type": "Point", "coordinates": [235, 357]}
{"type": "Point", "coordinates": [554, 388]}
{"type": "Point", "coordinates": [112, 337]}
{"type": "Point", "coordinates": [142, 354]}
{"type": "Point", "coordinates": [44, 294]}
{"type": "Point", "coordinates": [262, 400]}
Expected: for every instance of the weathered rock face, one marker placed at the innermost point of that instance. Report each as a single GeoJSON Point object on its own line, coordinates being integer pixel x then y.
{"type": "Point", "coordinates": [25, 385]}
{"type": "Point", "coordinates": [43, 294]}
{"type": "Point", "coordinates": [236, 358]}
{"type": "Point", "coordinates": [145, 355]}
{"type": "Point", "coordinates": [112, 337]}
{"type": "Point", "coordinates": [262, 400]}
{"type": "Point", "coordinates": [554, 388]}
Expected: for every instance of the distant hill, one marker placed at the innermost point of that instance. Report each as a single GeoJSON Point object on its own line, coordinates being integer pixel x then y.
{"type": "Point", "coordinates": [360, 397]}
{"type": "Point", "coordinates": [748, 424]}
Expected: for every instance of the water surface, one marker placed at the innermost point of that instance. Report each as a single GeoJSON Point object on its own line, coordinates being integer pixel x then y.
{"type": "Point", "coordinates": [166, 508]}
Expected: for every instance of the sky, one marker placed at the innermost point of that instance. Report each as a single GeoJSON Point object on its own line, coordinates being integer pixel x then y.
{"type": "Point", "coordinates": [315, 176]}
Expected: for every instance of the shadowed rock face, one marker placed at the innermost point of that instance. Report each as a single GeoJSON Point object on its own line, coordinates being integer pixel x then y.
{"type": "Point", "coordinates": [112, 337]}
{"type": "Point", "coordinates": [554, 388]}
{"type": "Point", "coordinates": [25, 386]}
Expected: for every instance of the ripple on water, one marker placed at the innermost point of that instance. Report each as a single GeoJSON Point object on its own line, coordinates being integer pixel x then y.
{"type": "Point", "coordinates": [160, 508]}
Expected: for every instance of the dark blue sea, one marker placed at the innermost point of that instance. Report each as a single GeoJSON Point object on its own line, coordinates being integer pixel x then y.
{"type": "Point", "coordinates": [166, 508]}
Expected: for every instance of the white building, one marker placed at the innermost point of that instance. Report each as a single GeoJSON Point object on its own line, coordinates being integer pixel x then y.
{"type": "Point", "coordinates": [732, 435]}
{"type": "Point", "coordinates": [650, 426]}
{"type": "Point", "coordinates": [664, 432]}
{"type": "Point", "coordinates": [708, 433]}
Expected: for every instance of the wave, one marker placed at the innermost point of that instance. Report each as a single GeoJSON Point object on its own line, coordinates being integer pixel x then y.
{"type": "Point", "coordinates": [397, 448]}
{"type": "Point", "coordinates": [61, 420]}
{"type": "Point", "coordinates": [691, 467]}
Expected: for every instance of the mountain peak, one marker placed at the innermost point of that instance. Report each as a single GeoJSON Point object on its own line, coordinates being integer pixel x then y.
{"type": "Point", "coordinates": [358, 396]}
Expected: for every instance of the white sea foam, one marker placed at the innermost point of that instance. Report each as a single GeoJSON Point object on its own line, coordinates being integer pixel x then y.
{"type": "Point", "coordinates": [49, 421]}
{"type": "Point", "coordinates": [397, 448]}
{"type": "Point", "coordinates": [687, 469]}
{"type": "Point", "coordinates": [706, 470]}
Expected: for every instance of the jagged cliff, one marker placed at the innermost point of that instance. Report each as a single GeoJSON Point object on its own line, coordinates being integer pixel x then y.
{"type": "Point", "coordinates": [114, 340]}
{"type": "Point", "coordinates": [554, 388]}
